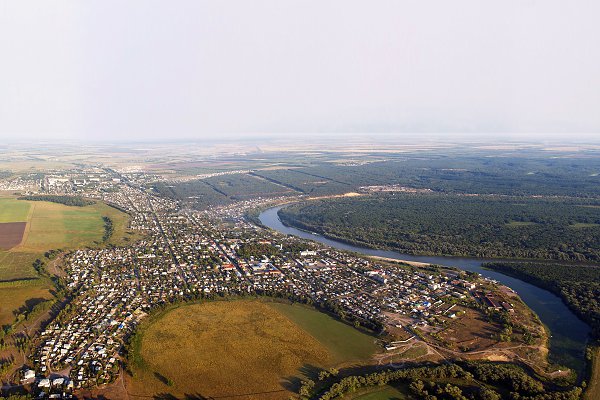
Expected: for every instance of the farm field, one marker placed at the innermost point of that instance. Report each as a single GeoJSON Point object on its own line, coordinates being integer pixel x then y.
{"type": "Point", "coordinates": [53, 226]}
{"type": "Point", "coordinates": [243, 347]}
{"type": "Point", "coordinates": [48, 226]}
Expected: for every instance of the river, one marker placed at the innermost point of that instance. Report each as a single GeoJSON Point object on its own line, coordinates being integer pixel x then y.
{"type": "Point", "coordinates": [568, 333]}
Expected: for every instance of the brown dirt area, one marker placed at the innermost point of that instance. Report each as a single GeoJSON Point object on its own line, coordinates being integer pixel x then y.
{"type": "Point", "coordinates": [11, 234]}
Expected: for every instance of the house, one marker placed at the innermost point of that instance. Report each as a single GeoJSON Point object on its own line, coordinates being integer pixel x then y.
{"type": "Point", "coordinates": [44, 383]}
{"type": "Point", "coordinates": [29, 374]}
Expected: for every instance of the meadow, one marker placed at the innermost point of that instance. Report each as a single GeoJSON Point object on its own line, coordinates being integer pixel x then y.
{"type": "Point", "coordinates": [21, 293]}
{"type": "Point", "coordinates": [253, 348]}
{"type": "Point", "coordinates": [344, 342]}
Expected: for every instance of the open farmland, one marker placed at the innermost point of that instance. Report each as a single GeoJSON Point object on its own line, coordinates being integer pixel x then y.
{"type": "Point", "coordinates": [53, 226]}
{"type": "Point", "coordinates": [243, 347]}
{"type": "Point", "coordinates": [11, 234]}
{"type": "Point", "coordinates": [343, 342]}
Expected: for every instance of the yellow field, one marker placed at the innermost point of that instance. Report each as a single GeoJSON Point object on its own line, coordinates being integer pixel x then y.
{"type": "Point", "coordinates": [245, 348]}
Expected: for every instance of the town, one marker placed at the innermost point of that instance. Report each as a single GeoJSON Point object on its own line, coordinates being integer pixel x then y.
{"type": "Point", "coordinates": [217, 253]}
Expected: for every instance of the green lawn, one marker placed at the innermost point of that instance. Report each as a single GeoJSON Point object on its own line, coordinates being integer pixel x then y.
{"type": "Point", "coordinates": [343, 341]}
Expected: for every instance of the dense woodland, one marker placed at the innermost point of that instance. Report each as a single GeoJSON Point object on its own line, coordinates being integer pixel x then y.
{"type": "Point", "coordinates": [442, 224]}
{"type": "Point", "coordinates": [577, 285]}
{"type": "Point", "coordinates": [66, 200]}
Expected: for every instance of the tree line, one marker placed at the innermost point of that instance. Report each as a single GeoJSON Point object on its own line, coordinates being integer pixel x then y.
{"type": "Point", "coordinates": [66, 200]}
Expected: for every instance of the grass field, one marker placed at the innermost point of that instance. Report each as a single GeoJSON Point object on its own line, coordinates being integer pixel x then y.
{"type": "Point", "coordinates": [16, 294]}
{"type": "Point", "coordinates": [13, 210]}
{"type": "Point", "coordinates": [344, 342]}
{"type": "Point", "coordinates": [243, 347]}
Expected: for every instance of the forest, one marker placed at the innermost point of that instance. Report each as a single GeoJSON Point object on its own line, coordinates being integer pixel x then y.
{"type": "Point", "coordinates": [458, 225]}
{"type": "Point", "coordinates": [577, 285]}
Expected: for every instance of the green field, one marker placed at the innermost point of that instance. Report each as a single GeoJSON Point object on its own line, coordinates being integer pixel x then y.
{"type": "Point", "coordinates": [252, 348]}
{"type": "Point", "coordinates": [16, 294]}
{"type": "Point", "coordinates": [344, 342]}
{"type": "Point", "coordinates": [13, 210]}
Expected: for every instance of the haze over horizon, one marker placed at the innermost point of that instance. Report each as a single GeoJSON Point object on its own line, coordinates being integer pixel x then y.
{"type": "Point", "coordinates": [152, 70]}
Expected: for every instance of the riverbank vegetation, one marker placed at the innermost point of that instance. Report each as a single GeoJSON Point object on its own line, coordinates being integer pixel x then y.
{"type": "Point", "coordinates": [525, 174]}
{"type": "Point", "coordinates": [460, 381]}
{"type": "Point", "coordinates": [457, 225]}
{"type": "Point", "coordinates": [577, 285]}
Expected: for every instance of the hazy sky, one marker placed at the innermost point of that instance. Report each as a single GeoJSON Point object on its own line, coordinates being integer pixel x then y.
{"type": "Point", "coordinates": [176, 69]}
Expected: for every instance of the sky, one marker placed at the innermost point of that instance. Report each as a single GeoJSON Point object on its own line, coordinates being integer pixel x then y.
{"type": "Point", "coordinates": [159, 70]}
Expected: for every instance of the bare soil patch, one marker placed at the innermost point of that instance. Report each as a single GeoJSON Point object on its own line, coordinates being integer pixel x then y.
{"type": "Point", "coordinates": [11, 234]}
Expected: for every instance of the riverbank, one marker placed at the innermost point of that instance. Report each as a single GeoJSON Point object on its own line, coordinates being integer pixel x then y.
{"type": "Point", "coordinates": [569, 333]}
